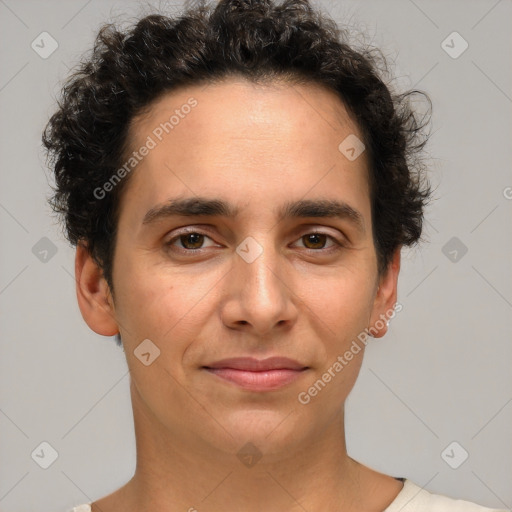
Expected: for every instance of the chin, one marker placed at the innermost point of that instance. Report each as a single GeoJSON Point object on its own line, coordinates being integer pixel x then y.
{"type": "Point", "coordinates": [269, 430]}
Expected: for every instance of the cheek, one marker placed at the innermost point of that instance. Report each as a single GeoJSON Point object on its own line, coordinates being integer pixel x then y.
{"type": "Point", "coordinates": [162, 304]}
{"type": "Point", "coordinates": [342, 301]}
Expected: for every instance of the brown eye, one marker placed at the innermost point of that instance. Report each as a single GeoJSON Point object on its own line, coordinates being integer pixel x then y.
{"type": "Point", "coordinates": [321, 243]}
{"type": "Point", "coordinates": [191, 240]}
{"type": "Point", "coordinates": [315, 240]}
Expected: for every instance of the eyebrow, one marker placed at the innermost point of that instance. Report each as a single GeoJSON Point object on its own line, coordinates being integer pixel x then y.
{"type": "Point", "coordinates": [201, 206]}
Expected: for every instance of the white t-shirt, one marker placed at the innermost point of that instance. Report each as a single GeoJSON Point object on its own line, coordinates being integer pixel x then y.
{"type": "Point", "coordinates": [411, 498]}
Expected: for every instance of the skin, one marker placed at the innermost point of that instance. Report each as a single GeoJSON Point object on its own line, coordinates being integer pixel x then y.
{"type": "Point", "coordinates": [255, 146]}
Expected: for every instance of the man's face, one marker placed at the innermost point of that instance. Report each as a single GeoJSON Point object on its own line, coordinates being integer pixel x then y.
{"type": "Point", "coordinates": [251, 285]}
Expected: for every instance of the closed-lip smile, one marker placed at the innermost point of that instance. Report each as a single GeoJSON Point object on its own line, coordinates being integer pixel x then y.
{"type": "Point", "coordinates": [257, 374]}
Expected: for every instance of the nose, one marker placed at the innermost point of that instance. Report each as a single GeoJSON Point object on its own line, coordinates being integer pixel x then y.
{"type": "Point", "coordinates": [259, 295]}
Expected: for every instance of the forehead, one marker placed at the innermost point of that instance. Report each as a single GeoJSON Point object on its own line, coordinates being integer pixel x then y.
{"type": "Point", "coordinates": [239, 108]}
{"type": "Point", "coordinates": [235, 135]}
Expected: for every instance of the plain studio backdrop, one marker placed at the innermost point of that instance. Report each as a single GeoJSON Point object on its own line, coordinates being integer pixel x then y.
{"type": "Point", "coordinates": [433, 401]}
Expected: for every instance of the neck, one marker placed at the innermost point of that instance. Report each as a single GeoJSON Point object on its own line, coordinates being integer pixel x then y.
{"type": "Point", "coordinates": [177, 471]}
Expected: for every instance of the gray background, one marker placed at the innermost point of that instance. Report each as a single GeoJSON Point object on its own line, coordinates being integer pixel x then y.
{"type": "Point", "coordinates": [441, 374]}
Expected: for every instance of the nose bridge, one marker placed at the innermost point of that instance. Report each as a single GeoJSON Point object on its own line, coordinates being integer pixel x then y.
{"type": "Point", "coordinates": [261, 290]}
{"type": "Point", "coordinates": [257, 265]}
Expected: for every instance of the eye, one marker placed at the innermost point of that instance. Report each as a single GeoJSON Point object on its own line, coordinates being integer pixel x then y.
{"type": "Point", "coordinates": [317, 241]}
{"type": "Point", "coordinates": [190, 241]}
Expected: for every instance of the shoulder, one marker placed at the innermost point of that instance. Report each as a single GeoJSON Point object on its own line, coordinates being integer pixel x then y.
{"type": "Point", "coordinates": [412, 498]}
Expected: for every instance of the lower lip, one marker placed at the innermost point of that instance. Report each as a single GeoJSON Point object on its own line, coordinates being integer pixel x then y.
{"type": "Point", "coordinates": [267, 380]}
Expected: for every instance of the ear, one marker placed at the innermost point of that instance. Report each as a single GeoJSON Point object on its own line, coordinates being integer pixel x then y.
{"type": "Point", "coordinates": [385, 297]}
{"type": "Point", "coordinates": [93, 294]}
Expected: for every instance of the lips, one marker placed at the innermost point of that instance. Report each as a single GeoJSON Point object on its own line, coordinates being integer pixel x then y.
{"type": "Point", "coordinates": [258, 365]}
{"type": "Point", "coordinates": [255, 374]}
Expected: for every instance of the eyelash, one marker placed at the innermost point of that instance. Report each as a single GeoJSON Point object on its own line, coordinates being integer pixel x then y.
{"type": "Point", "coordinates": [170, 244]}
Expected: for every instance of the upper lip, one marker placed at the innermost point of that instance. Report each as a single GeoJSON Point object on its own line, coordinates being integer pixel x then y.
{"type": "Point", "coordinates": [253, 364]}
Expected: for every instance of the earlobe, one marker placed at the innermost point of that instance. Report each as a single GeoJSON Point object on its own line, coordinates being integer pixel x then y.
{"type": "Point", "coordinates": [385, 298]}
{"type": "Point", "coordinates": [93, 294]}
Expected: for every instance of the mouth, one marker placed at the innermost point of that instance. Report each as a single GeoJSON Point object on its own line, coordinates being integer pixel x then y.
{"type": "Point", "coordinates": [257, 375]}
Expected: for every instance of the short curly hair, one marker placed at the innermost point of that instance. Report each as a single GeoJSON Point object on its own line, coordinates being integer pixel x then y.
{"type": "Point", "coordinates": [261, 41]}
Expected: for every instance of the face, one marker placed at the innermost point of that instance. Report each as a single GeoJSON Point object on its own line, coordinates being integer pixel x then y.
{"type": "Point", "coordinates": [244, 232]}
